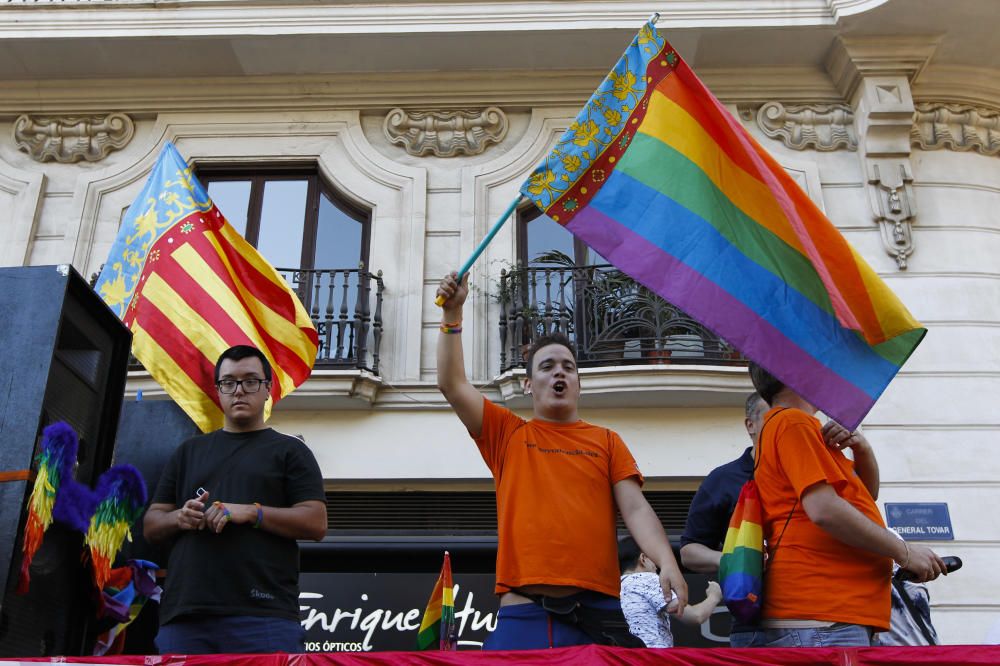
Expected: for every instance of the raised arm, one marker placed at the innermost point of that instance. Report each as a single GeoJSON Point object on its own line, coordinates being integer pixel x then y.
{"type": "Point", "coordinates": [464, 398]}
{"type": "Point", "coordinates": [838, 518]}
{"type": "Point", "coordinates": [647, 530]}
{"type": "Point", "coordinates": [865, 463]}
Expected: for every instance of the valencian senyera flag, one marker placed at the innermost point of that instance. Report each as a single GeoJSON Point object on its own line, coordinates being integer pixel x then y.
{"type": "Point", "coordinates": [189, 287]}
{"type": "Point", "coordinates": [659, 178]}
{"type": "Point", "coordinates": [437, 628]}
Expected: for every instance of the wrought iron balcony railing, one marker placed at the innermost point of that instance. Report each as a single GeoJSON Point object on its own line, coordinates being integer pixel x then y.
{"type": "Point", "coordinates": [611, 319]}
{"type": "Point", "coordinates": [339, 302]}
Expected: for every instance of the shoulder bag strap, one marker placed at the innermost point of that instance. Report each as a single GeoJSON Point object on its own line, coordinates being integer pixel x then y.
{"type": "Point", "coordinates": [760, 451]}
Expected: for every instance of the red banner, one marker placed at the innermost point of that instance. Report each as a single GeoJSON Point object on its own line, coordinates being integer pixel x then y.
{"type": "Point", "coordinates": [587, 655]}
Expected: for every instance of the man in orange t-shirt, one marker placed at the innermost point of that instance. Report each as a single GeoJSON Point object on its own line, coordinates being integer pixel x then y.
{"type": "Point", "coordinates": [558, 482]}
{"type": "Point", "coordinates": [829, 552]}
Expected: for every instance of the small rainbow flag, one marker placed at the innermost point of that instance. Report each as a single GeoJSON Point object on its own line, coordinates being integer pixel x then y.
{"type": "Point", "coordinates": [438, 626]}
{"type": "Point", "coordinates": [658, 177]}
{"type": "Point", "coordinates": [742, 563]}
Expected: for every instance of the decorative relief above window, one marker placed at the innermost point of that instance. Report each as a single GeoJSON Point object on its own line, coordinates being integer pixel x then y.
{"type": "Point", "coordinates": [956, 127]}
{"type": "Point", "coordinates": [445, 133]}
{"type": "Point", "coordinates": [72, 139]}
{"type": "Point", "coordinates": [822, 127]}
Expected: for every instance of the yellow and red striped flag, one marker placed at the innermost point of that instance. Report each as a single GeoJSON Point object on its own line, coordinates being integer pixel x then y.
{"type": "Point", "coordinates": [189, 287]}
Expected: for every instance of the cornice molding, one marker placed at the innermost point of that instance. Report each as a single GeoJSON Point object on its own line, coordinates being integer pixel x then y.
{"type": "Point", "coordinates": [188, 18]}
{"type": "Point", "coordinates": [608, 387]}
{"type": "Point", "coordinates": [853, 58]}
{"type": "Point", "coordinates": [978, 86]}
{"type": "Point", "coordinates": [381, 92]}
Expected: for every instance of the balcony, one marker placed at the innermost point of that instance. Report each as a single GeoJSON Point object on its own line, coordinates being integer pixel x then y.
{"type": "Point", "coordinates": [347, 315]}
{"type": "Point", "coordinates": [611, 319]}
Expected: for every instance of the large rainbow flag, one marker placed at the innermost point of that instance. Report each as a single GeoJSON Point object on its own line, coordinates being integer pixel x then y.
{"type": "Point", "coordinates": [437, 628]}
{"type": "Point", "coordinates": [189, 287]}
{"type": "Point", "coordinates": [659, 178]}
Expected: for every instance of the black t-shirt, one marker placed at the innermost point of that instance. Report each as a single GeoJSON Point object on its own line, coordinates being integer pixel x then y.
{"type": "Point", "coordinates": [241, 571]}
{"type": "Point", "coordinates": [713, 505]}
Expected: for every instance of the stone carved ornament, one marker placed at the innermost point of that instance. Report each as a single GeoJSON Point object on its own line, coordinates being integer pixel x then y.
{"type": "Point", "coordinates": [891, 194]}
{"type": "Point", "coordinates": [822, 127]}
{"type": "Point", "coordinates": [957, 127]}
{"type": "Point", "coordinates": [445, 133]}
{"type": "Point", "coordinates": [70, 140]}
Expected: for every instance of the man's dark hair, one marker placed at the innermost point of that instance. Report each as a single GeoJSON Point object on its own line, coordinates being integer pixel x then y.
{"type": "Point", "coordinates": [545, 341]}
{"type": "Point", "coordinates": [752, 401]}
{"type": "Point", "coordinates": [628, 553]}
{"type": "Point", "coordinates": [240, 352]}
{"type": "Point", "coordinates": [767, 385]}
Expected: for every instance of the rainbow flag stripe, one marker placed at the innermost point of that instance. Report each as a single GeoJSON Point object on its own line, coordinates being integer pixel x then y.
{"type": "Point", "coordinates": [437, 628]}
{"type": "Point", "coordinates": [658, 177]}
{"type": "Point", "coordinates": [189, 287]}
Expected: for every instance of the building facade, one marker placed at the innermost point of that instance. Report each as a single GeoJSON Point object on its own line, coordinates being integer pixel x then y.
{"type": "Point", "coordinates": [367, 148]}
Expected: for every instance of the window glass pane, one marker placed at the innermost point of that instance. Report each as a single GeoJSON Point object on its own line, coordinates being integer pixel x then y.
{"type": "Point", "coordinates": [546, 236]}
{"type": "Point", "coordinates": [338, 247]}
{"type": "Point", "coordinates": [282, 222]}
{"type": "Point", "coordinates": [338, 238]}
{"type": "Point", "coordinates": [232, 197]}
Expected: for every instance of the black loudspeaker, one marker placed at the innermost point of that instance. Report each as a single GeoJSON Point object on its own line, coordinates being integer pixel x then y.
{"type": "Point", "coordinates": [63, 357]}
{"type": "Point", "coordinates": [148, 433]}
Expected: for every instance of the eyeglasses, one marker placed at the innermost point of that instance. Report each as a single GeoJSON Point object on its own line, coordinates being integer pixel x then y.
{"type": "Point", "coordinates": [228, 386]}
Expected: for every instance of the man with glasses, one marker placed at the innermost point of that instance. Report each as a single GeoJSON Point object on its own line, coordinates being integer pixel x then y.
{"type": "Point", "coordinates": [233, 502]}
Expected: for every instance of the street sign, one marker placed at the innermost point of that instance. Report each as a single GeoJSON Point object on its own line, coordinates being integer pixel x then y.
{"type": "Point", "coordinates": [928, 521]}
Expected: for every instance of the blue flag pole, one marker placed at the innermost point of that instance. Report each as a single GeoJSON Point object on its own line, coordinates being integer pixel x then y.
{"type": "Point", "coordinates": [483, 243]}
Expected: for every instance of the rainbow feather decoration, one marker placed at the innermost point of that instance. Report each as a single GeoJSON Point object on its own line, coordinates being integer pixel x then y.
{"type": "Point", "coordinates": [55, 467]}
{"type": "Point", "coordinates": [121, 496]}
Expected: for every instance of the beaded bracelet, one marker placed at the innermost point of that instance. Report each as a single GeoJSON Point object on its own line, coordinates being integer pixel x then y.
{"type": "Point", "coordinates": [260, 515]}
{"type": "Point", "coordinates": [451, 328]}
{"type": "Point", "coordinates": [226, 514]}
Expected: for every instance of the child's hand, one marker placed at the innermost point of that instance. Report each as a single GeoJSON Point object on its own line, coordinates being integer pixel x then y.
{"type": "Point", "coordinates": [714, 592]}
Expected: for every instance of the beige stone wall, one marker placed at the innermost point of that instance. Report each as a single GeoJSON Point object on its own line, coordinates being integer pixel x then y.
{"type": "Point", "coordinates": [277, 94]}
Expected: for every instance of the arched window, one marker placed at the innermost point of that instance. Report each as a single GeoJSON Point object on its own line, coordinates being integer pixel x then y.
{"type": "Point", "coordinates": [315, 238]}
{"type": "Point", "coordinates": [290, 215]}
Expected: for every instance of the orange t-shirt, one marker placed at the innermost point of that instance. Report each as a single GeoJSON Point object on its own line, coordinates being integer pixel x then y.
{"type": "Point", "coordinates": [812, 575]}
{"type": "Point", "coordinates": [555, 505]}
